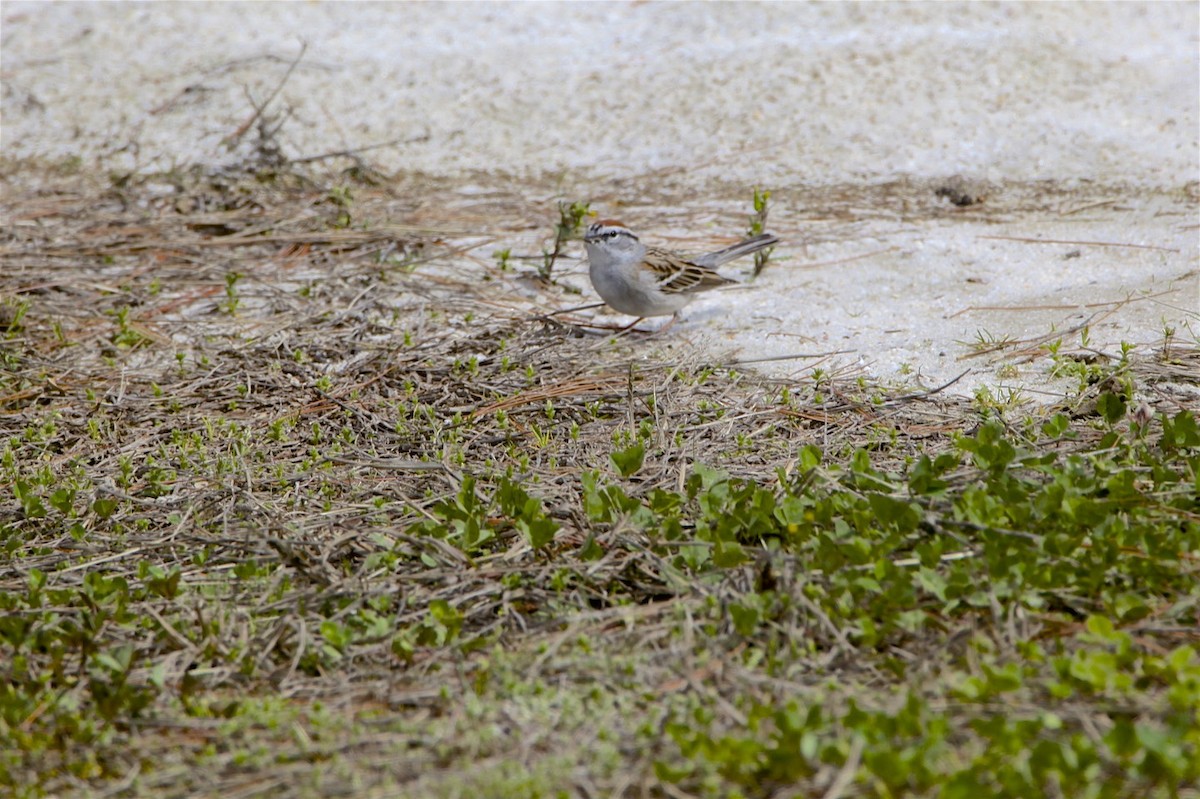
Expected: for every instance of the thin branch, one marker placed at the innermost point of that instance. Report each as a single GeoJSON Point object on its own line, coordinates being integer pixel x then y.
{"type": "Point", "coordinates": [260, 109]}
{"type": "Point", "coordinates": [1028, 240]}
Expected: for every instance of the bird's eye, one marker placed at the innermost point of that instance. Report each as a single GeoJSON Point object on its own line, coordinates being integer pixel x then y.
{"type": "Point", "coordinates": [612, 234]}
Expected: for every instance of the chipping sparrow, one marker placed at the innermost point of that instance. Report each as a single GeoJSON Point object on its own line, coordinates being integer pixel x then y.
{"type": "Point", "coordinates": [645, 281]}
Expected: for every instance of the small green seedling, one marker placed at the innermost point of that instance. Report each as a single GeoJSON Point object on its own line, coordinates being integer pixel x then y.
{"type": "Point", "coordinates": [570, 220]}
{"type": "Point", "coordinates": [758, 224]}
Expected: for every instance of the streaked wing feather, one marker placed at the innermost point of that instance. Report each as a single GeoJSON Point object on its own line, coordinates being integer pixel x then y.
{"type": "Point", "coordinates": [677, 276]}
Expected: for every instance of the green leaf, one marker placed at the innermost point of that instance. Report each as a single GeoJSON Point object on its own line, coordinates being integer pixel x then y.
{"type": "Point", "coordinates": [1056, 426]}
{"type": "Point", "coordinates": [31, 503]}
{"type": "Point", "coordinates": [1180, 432]}
{"type": "Point", "coordinates": [990, 449]}
{"type": "Point", "coordinates": [890, 511]}
{"type": "Point", "coordinates": [1112, 407]}
{"type": "Point", "coordinates": [705, 478]}
{"type": "Point", "coordinates": [932, 581]}
{"type": "Point", "coordinates": [727, 554]}
{"type": "Point", "coordinates": [672, 774]}
{"type": "Point", "coordinates": [104, 507]}
{"type": "Point", "coordinates": [594, 505]}
{"type": "Point", "coordinates": [745, 618]}
{"type": "Point", "coordinates": [538, 532]}
{"type": "Point", "coordinates": [629, 460]}
{"type": "Point", "coordinates": [921, 479]}
{"type": "Point", "coordinates": [63, 501]}
{"type": "Point", "coordinates": [810, 457]}
{"type": "Point", "coordinates": [591, 550]}
{"type": "Point", "coordinates": [336, 635]}
{"type": "Point", "coordinates": [443, 624]}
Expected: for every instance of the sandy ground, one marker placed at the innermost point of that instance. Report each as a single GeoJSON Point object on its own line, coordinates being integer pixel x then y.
{"type": "Point", "coordinates": [1078, 123]}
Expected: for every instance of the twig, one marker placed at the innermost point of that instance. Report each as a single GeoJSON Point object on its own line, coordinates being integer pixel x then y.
{"type": "Point", "coordinates": [930, 392]}
{"type": "Point", "coordinates": [845, 775]}
{"type": "Point", "coordinates": [1086, 243]}
{"type": "Point", "coordinates": [1089, 206]}
{"type": "Point", "coordinates": [259, 109]}
{"type": "Point", "coordinates": [354, 151]}
{"type": "Point", "coordinates": [587, 307]}
{"type": "Point", "coordinates": [872, 254]}
{"type": "Point", "coordinates": [793, 357]}
{"type": "Point", "coordinates": [390, 464]}
{"type": "Point", "coordinates": [1107, 304]}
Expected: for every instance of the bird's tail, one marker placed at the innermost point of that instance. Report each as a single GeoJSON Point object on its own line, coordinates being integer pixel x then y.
{"type": "Point", "coordinates": [759, 242]}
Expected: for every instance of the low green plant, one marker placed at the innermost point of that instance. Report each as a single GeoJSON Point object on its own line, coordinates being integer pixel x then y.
{"type": "Point", "coordinates": [758, 226]}
{"type": "Point", "coordinates": [342, 198]}
{"type": "Point", "coordinates": [570, 221]}
{"type": "Point", "coordinates": [888, 556]}
{"type": "Point", "coordinates": [503, 259]}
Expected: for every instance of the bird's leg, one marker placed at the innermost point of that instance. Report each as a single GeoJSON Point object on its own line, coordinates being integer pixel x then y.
{"type": "Point", "coordinates": [674, 318]}
{"type": "Point", "coordinates": [631, 325]}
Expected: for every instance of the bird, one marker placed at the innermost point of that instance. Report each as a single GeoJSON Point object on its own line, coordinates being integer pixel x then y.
{"type": "Point", "coordinates": [647, 281]}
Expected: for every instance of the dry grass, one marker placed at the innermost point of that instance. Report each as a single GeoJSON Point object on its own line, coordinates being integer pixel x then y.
{"type": "Point", "coordinates": [263, 390]}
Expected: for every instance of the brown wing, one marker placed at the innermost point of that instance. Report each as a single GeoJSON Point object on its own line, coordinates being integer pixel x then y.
{"type": "Point", "coordinates": [678, 276]}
